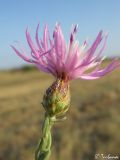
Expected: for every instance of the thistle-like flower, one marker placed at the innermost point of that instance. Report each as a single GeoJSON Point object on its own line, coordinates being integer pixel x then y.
{"type": "Point", "coordinates": [65, 63]}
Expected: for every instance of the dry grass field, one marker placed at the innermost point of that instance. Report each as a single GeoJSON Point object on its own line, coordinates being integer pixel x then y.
{"type": "Point", "coordinates": [92, 125]}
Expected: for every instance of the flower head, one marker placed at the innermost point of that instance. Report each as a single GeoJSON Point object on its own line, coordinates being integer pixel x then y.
{"type": "Point", "coordinates": [67, 62]}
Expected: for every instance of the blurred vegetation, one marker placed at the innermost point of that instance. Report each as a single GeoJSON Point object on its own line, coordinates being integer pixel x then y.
{"type": "Point", "coordinates": [92, 125]}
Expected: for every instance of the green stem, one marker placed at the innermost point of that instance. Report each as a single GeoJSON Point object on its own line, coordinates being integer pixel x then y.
{"type": "Point", "coordinates": [43, 150]}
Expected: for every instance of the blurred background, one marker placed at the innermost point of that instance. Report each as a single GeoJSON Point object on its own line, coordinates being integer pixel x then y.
{"type": "Point", "coordinates": [92, 125]}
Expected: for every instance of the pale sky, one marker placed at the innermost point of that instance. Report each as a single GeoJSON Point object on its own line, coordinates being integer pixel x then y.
{"type": "Point", "coordinates": [90, 15]}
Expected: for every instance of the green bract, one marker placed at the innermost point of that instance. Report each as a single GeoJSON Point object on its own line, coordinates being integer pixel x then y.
{"type": "Point", "coordinates": [56, 100]}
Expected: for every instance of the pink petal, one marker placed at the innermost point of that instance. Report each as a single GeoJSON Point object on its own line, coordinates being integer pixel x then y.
{"type": "Point", "coordinates": [68, 57]}
{"type": "Point", "coordinates": [99, 73]}
{"type": "Point", "coordinates": [21, 55]}
{"type": "Point", "coordinates": [72, 62]}
{"type": "Point", "coordinates": [37, 39]}
{"type": "Point", "coordinates": [112, 66]}
{"type": "Point", "coordinates": [88, 77]}
{"type": "Point", "coordinates": [45, 38]}
{"type": "Point", "coordinates": [42, 68]}
{"type": "Point", "coordinates": [31, 44]}
{"type": "Point", "coordinates": [60, 47]}
{"type": "Point", "coordinates": [91, 51]}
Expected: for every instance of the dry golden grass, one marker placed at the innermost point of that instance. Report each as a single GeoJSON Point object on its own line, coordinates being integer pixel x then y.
{"type": "Point", "coordinates": [92, 125]}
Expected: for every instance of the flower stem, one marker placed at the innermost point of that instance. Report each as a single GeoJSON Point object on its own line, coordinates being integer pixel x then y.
{"type": "Point", "coordinates": [43, 150]}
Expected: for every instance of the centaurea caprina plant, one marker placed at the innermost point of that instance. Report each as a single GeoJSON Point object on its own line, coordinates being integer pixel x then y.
{"type": "Point", "coordinates": [65, 63]}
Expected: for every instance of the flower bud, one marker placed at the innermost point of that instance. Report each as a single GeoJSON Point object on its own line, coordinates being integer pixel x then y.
{"type": "Point", "coordinates": [56, 100]}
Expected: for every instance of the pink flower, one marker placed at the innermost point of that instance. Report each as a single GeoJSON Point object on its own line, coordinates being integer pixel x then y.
{"type": "Point", "coordinates": [67, 62]}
